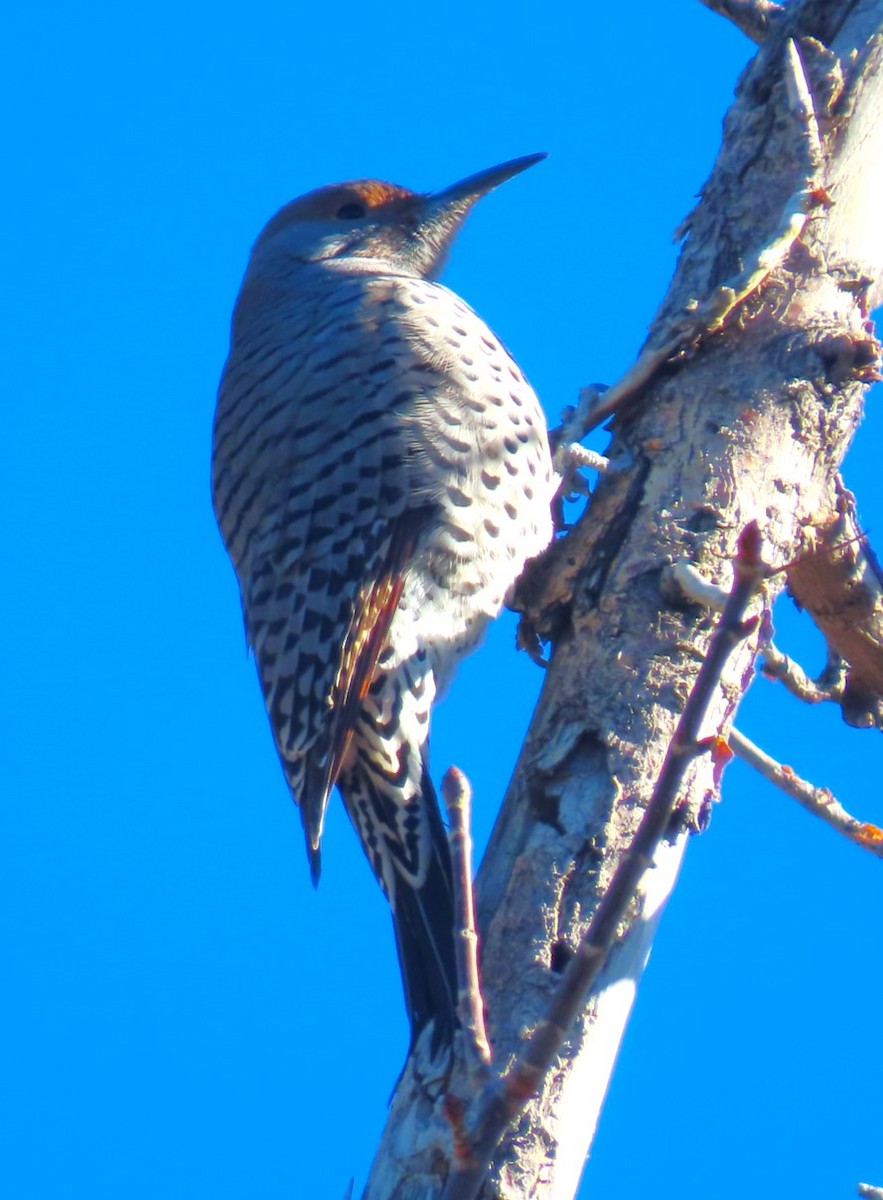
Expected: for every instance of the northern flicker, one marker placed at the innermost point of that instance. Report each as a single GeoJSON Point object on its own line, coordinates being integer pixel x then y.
{"type": "Point", "coordinates": [380, 475]}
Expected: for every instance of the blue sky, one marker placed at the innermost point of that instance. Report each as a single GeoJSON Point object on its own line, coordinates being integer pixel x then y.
{"type": "Point", "coordinates": [184, 1016]}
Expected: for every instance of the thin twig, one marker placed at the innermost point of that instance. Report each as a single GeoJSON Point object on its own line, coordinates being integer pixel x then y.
{"type": "Point", "coordinates": [830, 686]}
{"type": "Point", "coordinates": [645, 367]}
{"type": "Point", "coordinates": [457, 795]}
{"type": "Point", "coordinates": [504, 1099]}
{"type": "Point", "coordinates": [817, 800]}
{"type": "Point", "coordinates": [777, 665]}
{"type": "Point", "coordinates": [752, 17]}
{"type": "Point", "coordinates": [709, 316]}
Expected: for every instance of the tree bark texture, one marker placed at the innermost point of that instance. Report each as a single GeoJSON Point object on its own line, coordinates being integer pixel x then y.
{"type": "Point", "coordinates": [749, 422]}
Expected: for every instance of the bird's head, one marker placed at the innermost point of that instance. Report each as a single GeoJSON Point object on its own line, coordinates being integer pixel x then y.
{"type": "Point", "coordinates": [411, 231]}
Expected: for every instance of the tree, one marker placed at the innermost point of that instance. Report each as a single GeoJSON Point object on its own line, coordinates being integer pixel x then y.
{"type": "Point", "coordinates": [740, 408]}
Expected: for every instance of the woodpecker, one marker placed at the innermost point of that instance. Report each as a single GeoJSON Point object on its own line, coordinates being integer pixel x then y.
{"type": "Point", "coordinates": [380, 474]}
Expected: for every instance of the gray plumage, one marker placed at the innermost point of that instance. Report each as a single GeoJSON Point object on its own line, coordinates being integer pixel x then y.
{"type": "Point", "coordinates": [380, 474]}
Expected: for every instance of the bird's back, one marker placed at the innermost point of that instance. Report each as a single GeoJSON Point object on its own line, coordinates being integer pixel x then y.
{"type": "Point", "coordinates": [357, 409]}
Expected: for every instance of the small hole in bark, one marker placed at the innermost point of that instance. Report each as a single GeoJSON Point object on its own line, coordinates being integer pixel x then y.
{"type": "Point", "coordinates": [560, 957]}
{"type": "Point", "coordinates": [703, 520]}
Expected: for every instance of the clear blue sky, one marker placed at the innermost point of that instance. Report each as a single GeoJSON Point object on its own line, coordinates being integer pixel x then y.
{"type": "Point", "coordinates": [183, 1016]}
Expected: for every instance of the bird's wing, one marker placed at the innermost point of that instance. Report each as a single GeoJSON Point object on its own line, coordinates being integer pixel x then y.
{"type": "Point", "coordinates": [375, 606]}
{"type": "Point", "coordinates": [317, 635]}
{"type": "Point", "coordinates": [314, 495]}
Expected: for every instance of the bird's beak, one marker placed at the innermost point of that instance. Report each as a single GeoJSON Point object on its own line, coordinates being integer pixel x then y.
{"type": "Point", "coordinates": [442, 213]}
{"type": "Point", "coordinates": [468, 190]}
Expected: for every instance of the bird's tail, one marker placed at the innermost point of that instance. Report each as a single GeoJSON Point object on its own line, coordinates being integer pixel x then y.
{"type": "Point", "coordinates": [423, 919]}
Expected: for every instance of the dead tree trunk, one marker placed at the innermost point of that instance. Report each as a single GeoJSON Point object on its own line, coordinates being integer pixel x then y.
{"type": "Point", "coordinates": [745, 413]}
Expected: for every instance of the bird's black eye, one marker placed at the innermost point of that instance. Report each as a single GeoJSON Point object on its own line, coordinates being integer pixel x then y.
{"type": "Point", "coordinates": [351, 211]}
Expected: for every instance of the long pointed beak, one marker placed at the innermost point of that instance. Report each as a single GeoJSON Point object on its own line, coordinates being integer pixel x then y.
{"type": "Point", "coordinates": [475, 186]}
{"type": "Point", "coordinates": [440, 214]}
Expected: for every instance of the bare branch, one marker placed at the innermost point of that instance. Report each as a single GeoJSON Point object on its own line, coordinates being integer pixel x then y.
{"type": "Point", "coordinates": [457, 795]}
{"type": "Point", "coordinates": [777, 665]}
{"type": "Point", "coordinates": [752, 17]}
{"type": "Point", "coordinates": [831, 686]}
{"type": "Point", "coordinates": [817, 800]}
{"type": "Point", "coordinates": [649, 363]}
{"type": "Point", "coordinates": [505, 1098]}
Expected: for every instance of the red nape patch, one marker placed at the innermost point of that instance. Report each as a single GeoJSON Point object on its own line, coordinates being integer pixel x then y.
{"type": "Point", "coordinates": [324, 203]}
{"type": "Point", "coordinates": [374, 192]}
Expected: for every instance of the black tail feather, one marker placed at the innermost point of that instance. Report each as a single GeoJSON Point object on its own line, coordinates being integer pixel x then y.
{"type": "Point", "coordinates": [423, 919]}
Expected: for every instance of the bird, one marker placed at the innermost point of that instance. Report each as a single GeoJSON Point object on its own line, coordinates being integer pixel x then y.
{"type": "Point", "coordinates": [381, 473]}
